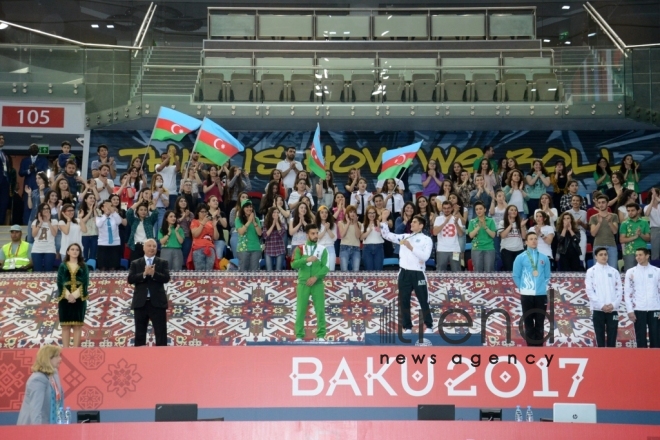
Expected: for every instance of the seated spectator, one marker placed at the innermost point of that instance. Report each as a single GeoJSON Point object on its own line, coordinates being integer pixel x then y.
{"type": "Point", "coordinates": [16, 254]}
{"type": "Point", "coordinates": [249, 230]}
{"type": "Point", "coordinates": [349, 249]}
{"type": "Point", "coordinates": [482, 230]}
{"type": "Point", "coordinates": [204, 234]}
{"type": "Point", "coordinates": [448, 227]}
{"type": "Point", "coordinates": [273, 233]}
{"type": "Point", "coordinates": [372, 249]}
{"type": "Point", "coordinates": [568, 246]}
{"type": "Point", "coordinates": [44, 230]}
{"type": "Point", "coordinates": [327, 234]}
{"type": "Point", "coordinates": [141, 224]}
{"type": "Point", "coordinates": [513, 234]}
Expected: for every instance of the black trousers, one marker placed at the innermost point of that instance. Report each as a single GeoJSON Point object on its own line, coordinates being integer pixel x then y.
{"type": "Point", "coordinates": [534, 322]}
{"type": "Point", "coordinates": [570, 262]}
{"type": "Point", "coordinates": [605, 323]}
{"type": "Point", "coordinates": [108, 257]}
{"type": "Point", "coordinates": [138, 252]}
{"type": "Point", "coordinates": [158, 317]}
{"type": "Point", "coordinates": [413, 281]}
{"type": "Point", "coordinates": [508, 257]}
{"type": "Point", "coordinates": [647, 319]}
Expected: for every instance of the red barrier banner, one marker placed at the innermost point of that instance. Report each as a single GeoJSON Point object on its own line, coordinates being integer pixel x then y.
{"type": "Point", "coordinates": [343, 376]}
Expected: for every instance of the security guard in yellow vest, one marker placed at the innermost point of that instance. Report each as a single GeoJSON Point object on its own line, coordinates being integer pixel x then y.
{"type": "Point", "coordinates": [16, 254]}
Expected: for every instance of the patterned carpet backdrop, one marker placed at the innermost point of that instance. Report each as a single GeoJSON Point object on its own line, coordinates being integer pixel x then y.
{"type": "Point", "coordinates": [233, 308]}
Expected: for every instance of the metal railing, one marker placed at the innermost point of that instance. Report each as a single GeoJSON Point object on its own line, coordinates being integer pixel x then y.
{"type": "Point", "coordinates": [605, 27]}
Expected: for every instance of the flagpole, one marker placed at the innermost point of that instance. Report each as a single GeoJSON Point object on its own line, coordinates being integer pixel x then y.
{"type": "Point", "coordinates": [190, 159]}
{"type": "Point", "coordinates": [148, 144]}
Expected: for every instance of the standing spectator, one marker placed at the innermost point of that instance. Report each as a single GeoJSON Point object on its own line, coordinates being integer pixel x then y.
{"type": "Point", "coordinates": [630, 170]}
{"type": "Point", "coordinates": [289, 168]}
{"type": "Point", "coordinates": [171, 237]}
{"type": "Point", "coordinates": [189, 193]}
{"type": "Point", "coordinates": [537, 182]}
{"type": "Point", "coordinates": [603, 175]}
{"type": "Point", "coordinates": [603, 287]}
{"type": "Point", "coordinates": [44, 230]}
{"type": "Point", "coordinates": [481, 193]}
{"type": "Point", "coordinates": [299, 220]}
{"type": "Point", "coordinates": [352, 182]}
{"type": "Point", "coordinates": [115, 201]}
{"type": "Point", "coordinates": [161, 197]}
{"type": "Point", "coordinates": [489, 152]}
{"type": "Point", "coordinates": [379, 204]}
{"type": "Point", "coordinates": [616, 190]}
{"type": "Point", "coordinates": [568, 246]}
{"type": "Point", "coordinates": [192, 184]}
{"type": "Point", "coordinates": [64, 156]}
{"type": "Point", "coordinates": [109, 251]}
{"type": "Point", "coordinates": [204, 234]}
{"type": "Point", "coordinates": [486, 171]}
{"type": "Point", "coordinates": [326, 190]}
{"type": "Point", "coordinates": [137, 164]}
{"type": "Point", "coordinates": [273, 233]}
{"type": "Point", "coordinates": [580, 216]}
{"type": "Point", "coordinates": [302, 174]}
{"type": "Point", "coordinates": [565, 203]}
{"type": "Point", "coordinates": [627, 196]}
{"type": "Point", "coordinates": [4, 182]}
{"type": "Point", "coordinates": [545, 233]}
{"type": "Point", "coordinates": [71, 230]}
{"type": "Point", "coordinates": [200, 168]}
{"type": "Point", "coordinates": [213, 185]}
{"type": "Point", "coordinates": [130, 186]}
{"type": "Point", "coordinates": [221, 224]}
{"type": "Point", "coordinates": [233, 235]}
{"type": "Point", "coordinates": [35, 198]}
{"type": "Point", "coordinates": [296, 196]}
{"type": "Point", "coordinates": [393, 201]}
{"type": "Point", "coordinates": [372, 249]}
{"type": "Point", "coordinates": [424, 210]}
{"type": "Point", "coordinates": [560, 179]}
{"type": "Point", "coordinates": [104, 159]}
{"type": "Point", "coordinates": [545, 205]}
{"type": "Point", "coordinates": [183, 218]}
{"type": "Point", "coordinates": [327, 234]}
{"type": "Point", "coordinates": [87, 214]}
{"type": "Point", "coordinates": [149, 276]}
{"type": "Point", "coordinates": [455, 173]}
{"type": "Point", "coordinates": [497, 209]}
{"type": "Point", "coordinates": [168, 170]}
{"type": "Point", "coordinates": [239, 182]}
{"type": "Point", "coordinates": [268, 200]}
{"type": "Point", "coordinates": [64, 194]}
{"type": "Point", "coordinates": [432, 179]}
{"type": "Point", "coordinates": [515, 195]}
{"type": "Point", "coordinates": [104, 184]}
{"type": "Point", "coordinates": [531, 274]}
{"type": "Point", "coordinates": [399, 186]}
{"type": "Point", "coordinates": [464, 189]}
{"type": "Point", "coordinates": [360, 198]}
{"type": "Point", "coordinates": [30, 167]}
{"type": "Point", "coordinates": [604, 227]}
{"type": "Point", "coordinates": [276, 176]}
{"type": "Point", "coordinates": [642, 297]}
{"type": "Point", "coordinates": [402, 223]}
{"type": "Point", "coordinates": [634, 232]}
{"type": "Point", "coordinates": [482, 230]}
{"type": "Point", "coordinates": [447, 188]}
{"type": "Point", "coordinates": [72, 285]}
{"type": "Point", "coordinates": [339, 207]}
{"type": "Point", "coordinates": [349, 249]}
{"type": "Point", "coordinates": [653, 213]}
{"type": "Point", "coordinates": [513, 234]}
{"type": "Point", "coordinates": [71, 176]}
{"type": "Point", "coordinates": [43, 391]}
{"type": "Point", "coordinates": [142, 225]}
{"type": "Point", "coordinates": [458, 208]}
{"type": "Point", "coordinates": [503, 172]}
{"type": "Point", "coordinates": [448, 227]}
{"type": "Point", "coordinates": [249, 230]}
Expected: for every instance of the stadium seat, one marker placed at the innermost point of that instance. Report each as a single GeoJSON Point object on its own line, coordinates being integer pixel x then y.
{"type": "Point", "coordinates": [513, 87]}
{"type": "Point", "coordinates": [91, 263]}
{"type": "Point", "coordinates": [212, 86]}
{"type": "Point", "coordinates": [389, 263]}
{"type": "Point", "coordinates": [546, 87]}
{"type": "Point", "coordinates": [272, 87]}
{"type": "Point", "coordinates": [468, 246]}
{"type": "Point", "coordinates": [333, 87]}
{"type": "Point", "coordinates": [302, 87]}
{"type": "Point", "coordinates": [394, 90]}
{"type": "Point", "coordinates": [430, 263]}
{"type": "Point", "coordinates": [362, 87]}
{"type": "Point", "coordinates": [470, 267]}
{"type": "Point", "coordinates": [124, 263]}
{"type": "Point", "coordinates": [241, 86]}
{"type": "Point", "coordinates": [454, 87]}
{"type": "Point", "coordinates": [483, 87]}
{"type": "Point", "coordinates": [590, 263]}
{"type": "Point", "coordinates": [423, 86]}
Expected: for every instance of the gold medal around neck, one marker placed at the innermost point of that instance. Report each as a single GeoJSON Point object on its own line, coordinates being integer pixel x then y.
{"type": "Point", "coordinates": [535, 273]}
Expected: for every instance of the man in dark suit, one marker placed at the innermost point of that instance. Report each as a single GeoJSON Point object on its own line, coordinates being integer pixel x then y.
{"type": "Point", "coordinates": [30, 166]}
{"type": "Point", "coordinates": [149, 275]}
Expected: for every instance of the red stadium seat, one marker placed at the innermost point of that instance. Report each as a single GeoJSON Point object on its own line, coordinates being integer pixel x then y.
{"type": "Point", "coordinates": [470, 267]}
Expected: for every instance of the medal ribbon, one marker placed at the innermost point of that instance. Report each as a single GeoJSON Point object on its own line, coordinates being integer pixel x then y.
{"type": "Point", "coordinates": [531, 261]}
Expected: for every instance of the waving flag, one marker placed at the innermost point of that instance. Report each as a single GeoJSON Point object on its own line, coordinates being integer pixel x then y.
{"type": "Point", "coordinates": [396, 160]}
{"type": "Point", "coordinates": [172, 124]}
{"type": "Point", "coordinates": [215, 143]}
{"type": "Point", "coordinates": [316, 162]}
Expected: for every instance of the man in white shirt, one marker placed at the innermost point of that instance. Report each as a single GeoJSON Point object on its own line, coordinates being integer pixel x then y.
{"type": "Point", "coordinates": [108, 254]}
{"type": "Point", "coordinates": [652, 211]}
{"type": "Point", "coordinates": [448, 227]}
{"type": "Point", "coordinates": [289, 168]}
{"type": "Point", "coordinates": [642, 296]}
{"type": "Point", "coordinates": [104, 184]}
{"type": "Point", "coordinates": [415, 250]}
{"type": "Point", "coordinates": [169, 168]}
{"type": "Point", "coordinates": [604, 289]}
{"type": "Point", "coordinates": [360, 198]}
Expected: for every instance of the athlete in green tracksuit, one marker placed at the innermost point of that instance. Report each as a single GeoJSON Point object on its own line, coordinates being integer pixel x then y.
{"type": "Point", "coordinates": [311, 262]}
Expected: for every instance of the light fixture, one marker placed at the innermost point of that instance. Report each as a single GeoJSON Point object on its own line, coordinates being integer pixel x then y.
{"type": "Point", "coordinates": [3, 26]}
{"type": "Point", "coordinates": [347, 32]}
{"type": "Point", "coordinates": [593, 34]}
{"type": "Point", "coordinates": [568, 42]}
{"type": "Point", "coordinates": [110, 26]}
{"type": "Point", "coordinates": [546, 40]}
{"type": "Point", "coordinates": [566, 7]}
{"type": "Point", "coordinates": [384, 33]}
{"type": "Point", "coordinates": [95, 26]}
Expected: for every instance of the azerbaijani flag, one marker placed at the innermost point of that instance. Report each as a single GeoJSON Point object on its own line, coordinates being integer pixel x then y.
{"type": "Point", "coordinates": [396, 160]}
{"type": "Point", "coordinates": [215, 143]}
{"type": "Point", "coordinates": [316, 162]}
{"type": "Point", "coordinates": [172, 124]}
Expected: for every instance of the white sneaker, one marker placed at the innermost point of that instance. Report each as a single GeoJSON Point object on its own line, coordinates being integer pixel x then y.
{"type": "Point", "coordinates": [428, 330]}
{"type": "Point", "coordinates": [298, 340]}
{"type": "Point", "coordinates": [407, 331]}
{"type": "Point", "coordinates": [320, 339]}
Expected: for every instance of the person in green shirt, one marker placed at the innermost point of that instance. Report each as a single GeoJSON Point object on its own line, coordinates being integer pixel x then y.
{"type": "Point", "coordinates": [249, 230]}
{"type": "Point", "coordinates": [634, 233]}
{"type": "Point", "coordinates": [489, 152]}
{"type": "Point", "coordinates": [170, 237]}
{"type": "Point", "coordinates": [482, 230]}
{"type": "Point", "coordinates": [311, 262]}
{"type": "Point", "coordinates": [630, 170]}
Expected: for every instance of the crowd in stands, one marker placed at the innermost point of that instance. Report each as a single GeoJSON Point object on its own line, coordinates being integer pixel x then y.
{"type": "Point", "coordinates": [203, 217]}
